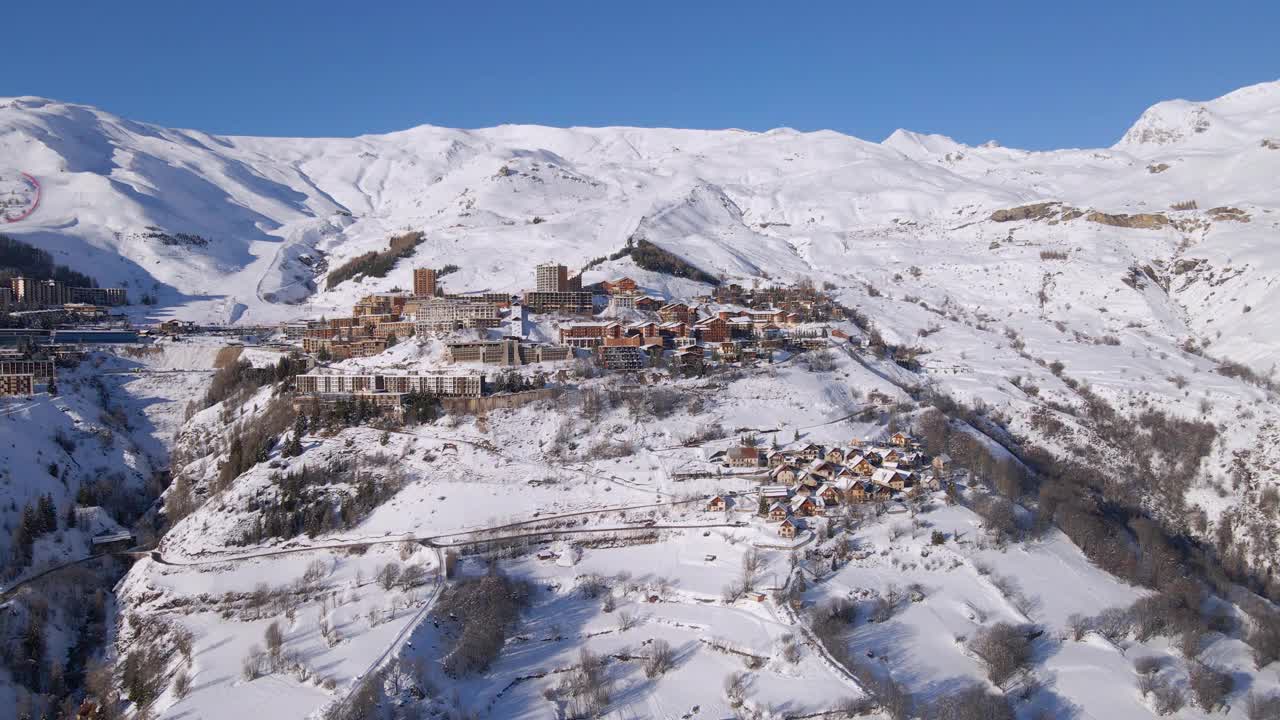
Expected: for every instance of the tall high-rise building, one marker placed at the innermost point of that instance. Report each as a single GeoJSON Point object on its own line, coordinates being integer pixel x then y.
{"type": "Point", "coordinates": [552, 277]}
{"type": "Point", "coordinates": [38, 293]}
{"type": "Point", "coordinates": [424, 282]}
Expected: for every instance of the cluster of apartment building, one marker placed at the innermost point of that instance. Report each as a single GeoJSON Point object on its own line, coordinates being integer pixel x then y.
{"type": "Point", "coordinates": [20, 377]}
{"type": "Point", "coordinates": [729, 335]}
{"type": "Point", "coordinates": [384, 393]}
{"type": "Point", "coordinates": [556, 291]}
{"type": "Point", "coordinates": [508, 351]}
{"type": "Point", "coordinates": [801, 303]}
{"type": "Point", "coordinates": [24, 293]}
{"type": "Point", "coordinates": [807, 480]}
{"type": "Point", "coordinates": [694, 332]}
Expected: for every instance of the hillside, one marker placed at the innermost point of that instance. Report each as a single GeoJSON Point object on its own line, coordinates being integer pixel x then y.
{"type": "Point", "coordinates": [1093, 333]}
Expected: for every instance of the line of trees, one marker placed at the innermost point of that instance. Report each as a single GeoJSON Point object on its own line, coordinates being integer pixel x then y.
{"type": "Point", "coordinates": [376, 264]}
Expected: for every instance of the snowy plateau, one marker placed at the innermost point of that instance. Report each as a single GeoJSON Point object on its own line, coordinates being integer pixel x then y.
{"type": "Point", "coordinates": [1100, 325]}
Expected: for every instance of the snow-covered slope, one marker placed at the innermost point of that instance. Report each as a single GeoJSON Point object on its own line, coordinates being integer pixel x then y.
{"type": "Point", "coordinates": [233, 228]}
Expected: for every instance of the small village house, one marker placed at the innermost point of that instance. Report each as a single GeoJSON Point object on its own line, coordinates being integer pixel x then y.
{"type": "Point", "coordinates": [809, 453]}
{"type": "Point", "coordinates": [787, 529]}
{"type": "Point", "coordinates": [805, 506]}
{"type": "Point", "coordinates": [942, 464]}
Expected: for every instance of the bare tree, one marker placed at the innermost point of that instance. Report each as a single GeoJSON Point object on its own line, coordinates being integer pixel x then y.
{"type": "Point", "coordinates": [1169, 699]}
{"type": "Point", "coordinates": [735, 689]}
{"type": "Point", "coordinates": [1209, 685]}
{"type": "Point", "coordinates": [971, 702]}
{"type": "Point", "coordinates": [752, 563]}
{"type": "Point", "coordinates": [661, 658]}
{"type": "Point", "coordinates": [251, 667]}
{"type": "Point", "coordinates": [412, 576]}
{"type": "Point", "coordinates": [388, 575]}
{"type": "Point", "coordinates": [732, 593]}
{"type": "Point", "coordinates": [1079, 626]}
{"type": "Point", "coordinates": [1265, 641]}
{"type": "Point", "coordinates": [1005, 649]}
{"type": "Point", "coordinates": [587, 685]}
{"type": "Point", "coordinates": [181, 684]}
{"type": "Point", "coordinates": [627, 620]}
{"type": "Point", "coordinates": [1113, 624]}
{"type": "Point", "coordinates": [274, 637]}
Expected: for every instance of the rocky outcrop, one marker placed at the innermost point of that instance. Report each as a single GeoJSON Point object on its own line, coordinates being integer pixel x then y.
{"type": "Point", "coordinates": [1036, 211]}
{"type": "Point", "coordinates": [1141, 221]}
{"type": "Point", "coordinates": [1229, 213]}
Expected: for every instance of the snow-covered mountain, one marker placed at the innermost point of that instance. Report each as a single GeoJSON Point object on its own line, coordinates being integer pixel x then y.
{"type": "Point", "coordinates": [1088, 302]}
{"type": "Point", "coordinates": [232, 229]}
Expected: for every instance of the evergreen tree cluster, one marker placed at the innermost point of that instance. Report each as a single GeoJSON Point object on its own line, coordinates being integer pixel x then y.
{"type": "Point", "coordinates": [313, 501]}
{"type": "Point", "coordinates": [20, 259]}
{"type": "Point", "coordinates": [37, 521]}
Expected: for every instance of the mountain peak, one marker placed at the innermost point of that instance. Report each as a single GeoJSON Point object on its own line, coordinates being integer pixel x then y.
{"type": "Point", "coordinates": [1240, 116]}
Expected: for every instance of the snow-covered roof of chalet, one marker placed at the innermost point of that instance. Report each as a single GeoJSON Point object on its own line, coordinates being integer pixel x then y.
{"type": "Point", "coordinates": [798, 501]}
{"type": "Point", "coordinates": [943, 457]}
{"type": "Point", "coordinates": [778, 506]}
{"type": "Point", "coordinates": [774, 491]}
{"type": "Point", "coordinates": [887, 474]}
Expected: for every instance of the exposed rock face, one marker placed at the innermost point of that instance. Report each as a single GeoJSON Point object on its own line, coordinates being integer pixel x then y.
{"type": "Point", "coordinates": [1157, 168]}
{"type": "Point", "coordinates": [1271, 143]}
{"type": "Point", "coordinates": [1229, 213]}
{"type": "Point", "coordinates": [1055, 212]}
{"type": "Point", "coordinates": [1036, 211]}
{"type": "Point", "coordinates": [1142, 221]}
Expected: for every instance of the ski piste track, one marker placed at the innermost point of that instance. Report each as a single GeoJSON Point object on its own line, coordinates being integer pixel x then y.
{"type": "Point", "coordinates": [35, 203]}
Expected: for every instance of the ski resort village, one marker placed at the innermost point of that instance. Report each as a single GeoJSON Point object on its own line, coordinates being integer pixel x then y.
{"type": "Point", "coordinates": [548, 424]}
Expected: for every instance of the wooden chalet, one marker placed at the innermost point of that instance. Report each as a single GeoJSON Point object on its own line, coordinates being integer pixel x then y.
{"type": "Point", "coordinates": [829, 495]}
{"type": "Point", "coordinates": [805, 506]}
{"type": "Point", "coordinates": [785, 474]}
{"type": "Point", "coordinates": [860, 465]}
{"type": "Point", "coordinates": [809, 452]}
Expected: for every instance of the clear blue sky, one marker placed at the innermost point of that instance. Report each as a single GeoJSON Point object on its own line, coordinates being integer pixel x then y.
{"type": "Point", "coordinates": [1029, 74]}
